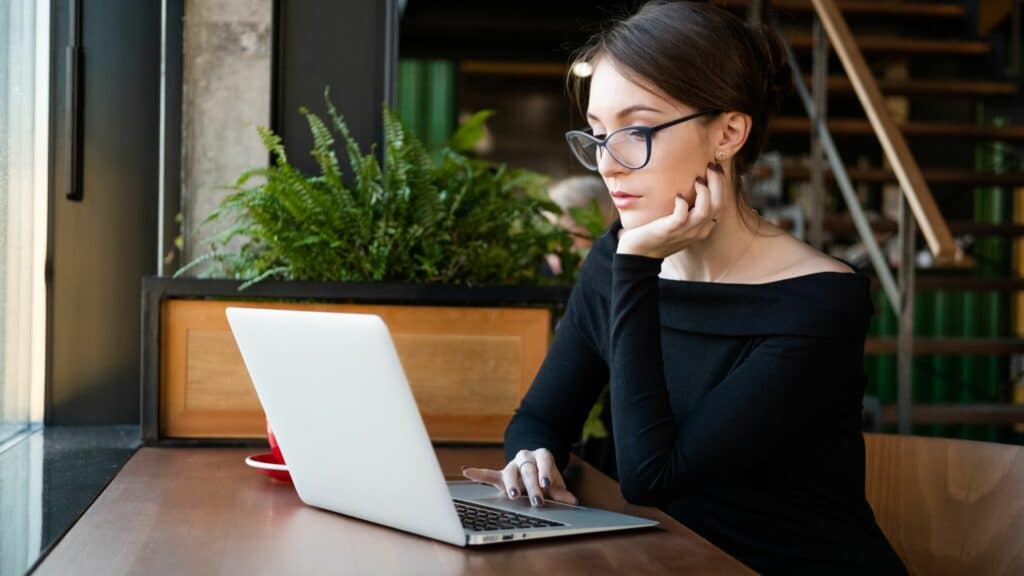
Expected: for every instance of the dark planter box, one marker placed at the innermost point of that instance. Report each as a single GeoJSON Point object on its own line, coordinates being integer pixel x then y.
{"type": "Point", "coordinates": [157, 290]}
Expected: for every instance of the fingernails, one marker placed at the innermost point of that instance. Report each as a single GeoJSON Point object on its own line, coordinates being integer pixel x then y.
{"type": "Point", "coordinates": [716, 167]}
{"type": "Point", "coordinates": [464, 468]}
{"type": "Point", "coordinates": [681, 197]}
{"type": "Point", "coordinates": [702, 181]}
{"type": "Point", "coordinates": [545, 482]}
{"type": "Point", "coordinates": [535, 500]}
{"type": "Point", "coordinates": [512, 493]}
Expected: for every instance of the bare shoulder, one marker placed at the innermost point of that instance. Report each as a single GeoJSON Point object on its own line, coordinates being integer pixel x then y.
{"type": "Point", "coordinates": [790, 258]}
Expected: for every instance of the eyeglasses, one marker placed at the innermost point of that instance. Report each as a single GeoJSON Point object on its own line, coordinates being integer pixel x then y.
{"type": "Point", "coordinates": [629, 146]}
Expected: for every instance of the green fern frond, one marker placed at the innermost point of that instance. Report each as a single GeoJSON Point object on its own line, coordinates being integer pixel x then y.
{"type": "Point", "coordinates": [455, 220]}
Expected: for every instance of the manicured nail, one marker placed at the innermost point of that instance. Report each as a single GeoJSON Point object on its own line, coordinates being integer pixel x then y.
{"type": "Point", "coordinates": [545, 482]}
{"type": "Point", "coordinates": [681, 197]}
{"type": "Point", "coordinates": [512, 493]}
{"type": "Point", "coordinates": [536, 500]}
{"type": "Point", "coordinates": [717, 167]}
{"type": "Point", "coordinates": [464, 467]}
{"type": "Point", "coordinates": [702, 181]}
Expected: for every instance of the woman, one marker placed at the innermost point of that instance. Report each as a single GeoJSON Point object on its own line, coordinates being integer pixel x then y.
{"type": "Point", "coordinates": [735, 352]}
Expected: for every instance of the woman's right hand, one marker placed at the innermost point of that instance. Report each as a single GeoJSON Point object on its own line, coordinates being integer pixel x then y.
{"type": "Point", "coordinates": [531, 472]}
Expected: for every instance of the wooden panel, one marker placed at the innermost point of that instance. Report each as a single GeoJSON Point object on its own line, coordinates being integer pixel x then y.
{"type": "Point", "coordinates": [467, 367]}
{"type": "Point", "coordinates": [949, 506]}
{"type": "Point", "coordinates": [958, 414]}
{"type": "Point", "coordinates": [948, 345]}
{"type": "Point", "coordinates": [888, 8]}
{"type": "Point", "coordinates": [859, 127]}
{"type": "Point", "coordinates": [201, 511]}
{"type": "Point", "coordinates": [482, 371]}
{"type": "Point", "coordinates": [900, 45]}
{"type": "Point", "coordinates": [933, 174]}
{"type": "Point", "coordinates": [215, 373]}
{"type": "Point", "coordinates": [944, 87]}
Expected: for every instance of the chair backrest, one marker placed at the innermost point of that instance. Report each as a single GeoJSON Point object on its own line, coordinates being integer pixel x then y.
{"type": "Point", "coordinates": [949, 506]}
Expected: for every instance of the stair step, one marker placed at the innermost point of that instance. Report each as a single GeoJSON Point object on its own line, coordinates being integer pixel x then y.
{"type": "Point", "coordinates": [980, 346]}
{"type": "Point", "coordinates": [861, 127]}
{"type": "Point", "coordinates": [872, 44]}
{"type": "Point", "coordinates": [928, 282]}
{"type": "Point", "coordinates": [844, 225]}
{"type": "Point", "coordinates": [925, 87]}
{"type": "Point", "coordinates": [958, 413]}
{"type": "Point", "coordinates": [860, 7]}
{"type": "Point", "coordinates": [933, 175]}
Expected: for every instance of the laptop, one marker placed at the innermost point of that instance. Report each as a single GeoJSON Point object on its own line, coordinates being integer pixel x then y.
{"type": "Point", "coordinates": [335, 394]}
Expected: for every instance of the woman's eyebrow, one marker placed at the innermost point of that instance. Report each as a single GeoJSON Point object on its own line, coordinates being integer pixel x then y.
{"type": "Point", "coordinates": [626, 111]}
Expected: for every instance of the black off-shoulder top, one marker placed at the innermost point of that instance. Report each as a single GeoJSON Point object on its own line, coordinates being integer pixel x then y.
{"type": "Point", "coordinates": [736, 408]}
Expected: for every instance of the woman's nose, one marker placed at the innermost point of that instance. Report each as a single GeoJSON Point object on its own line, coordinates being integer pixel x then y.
{"type": "Point", "coordinates": [608, 166]}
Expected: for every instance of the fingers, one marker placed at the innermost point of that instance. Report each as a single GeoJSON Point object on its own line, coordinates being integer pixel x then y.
{"type": "Point", "coordinates": [551, 481]}
{"type": "Point", "coordinates": [527, 465]}
{"type": "Point", "coordinates": [510, 474]}
{"type": "Point", "coordinates": [681, 213]}
{"type": "Point", "coordinates": [560, 493]}
{"type": "Point", "coordinates": [702, 204]}
{"type": "Point", "coordinates": [536, 470]}
{"type": "Point", "coordinates": [484, 476]}
{"type": "Point", "coordinates": [545, 464]}
{"type": "Point", "coordinates": [716, 184]}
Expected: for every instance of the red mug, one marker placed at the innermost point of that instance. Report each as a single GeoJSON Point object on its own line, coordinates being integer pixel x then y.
{"type": "Point", "coordinates": [275, 449]}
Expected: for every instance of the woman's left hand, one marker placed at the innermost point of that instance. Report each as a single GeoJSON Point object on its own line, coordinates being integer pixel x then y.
{"type": "Point", "coordinates": [684, 226]}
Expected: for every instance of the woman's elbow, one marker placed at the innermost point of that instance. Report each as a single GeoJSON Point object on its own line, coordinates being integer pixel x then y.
{"type": "Point", "coordinates": [635, 492]}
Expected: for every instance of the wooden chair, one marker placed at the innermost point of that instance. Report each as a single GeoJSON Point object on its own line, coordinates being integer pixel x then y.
{"type": "Point", "coordinates": [949, 506]}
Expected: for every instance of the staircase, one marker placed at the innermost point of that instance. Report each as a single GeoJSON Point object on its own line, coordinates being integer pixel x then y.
{"type": "Point", "coordinates": [944, 72]}
{"type": "Point", "coordinates": [942, 69]}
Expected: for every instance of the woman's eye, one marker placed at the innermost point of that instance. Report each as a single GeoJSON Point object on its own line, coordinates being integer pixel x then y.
{"type": "Point", "coordinates": [600, 136]}
{"type": "Point", "coordinates": [637, 134]}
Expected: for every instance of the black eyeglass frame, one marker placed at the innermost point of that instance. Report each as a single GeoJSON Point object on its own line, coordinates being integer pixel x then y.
{"type": "Point", "coordinates": [648, 132]}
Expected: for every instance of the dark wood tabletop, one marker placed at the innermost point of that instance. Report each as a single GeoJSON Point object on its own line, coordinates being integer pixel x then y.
{"type": "Point", "coordinates": [203, 511]}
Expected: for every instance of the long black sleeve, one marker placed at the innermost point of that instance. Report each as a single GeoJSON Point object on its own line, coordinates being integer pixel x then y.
{"type": "Point", "coordinates": [736, 408]}
{"type": "Point", "coordinates": [753, 415]}
{"type": "Point", "coordinates": [552, 413]}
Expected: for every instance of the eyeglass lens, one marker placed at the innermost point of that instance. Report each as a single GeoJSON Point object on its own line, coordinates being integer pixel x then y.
{"type": "Point", "coordinates": [628, 147]}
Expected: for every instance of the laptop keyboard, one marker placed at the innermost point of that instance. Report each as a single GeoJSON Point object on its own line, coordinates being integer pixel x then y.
{"type": "Point", "coordinates": [482, 518]}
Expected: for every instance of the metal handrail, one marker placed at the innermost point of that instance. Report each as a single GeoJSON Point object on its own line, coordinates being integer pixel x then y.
{"type": "Point", "coordinates": [918, 205]}
{"type": "Point", "coordinates": [860, 220]}
{"type": "Point", "coordinates": [915, 189]}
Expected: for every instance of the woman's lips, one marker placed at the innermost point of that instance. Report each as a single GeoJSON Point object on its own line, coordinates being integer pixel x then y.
{"type": "Point", "coordinates": [623, 200]}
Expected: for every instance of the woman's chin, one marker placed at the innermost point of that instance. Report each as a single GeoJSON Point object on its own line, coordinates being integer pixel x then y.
{"type": "Point", "coordinates": [635, 218]}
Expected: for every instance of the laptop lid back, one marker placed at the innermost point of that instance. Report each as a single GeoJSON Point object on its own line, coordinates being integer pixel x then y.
{"type": "Point", "coordinates": [337, 398]}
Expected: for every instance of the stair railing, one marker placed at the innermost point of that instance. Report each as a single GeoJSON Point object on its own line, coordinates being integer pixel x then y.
{"type": "Point", "coordinates": [917, 208]}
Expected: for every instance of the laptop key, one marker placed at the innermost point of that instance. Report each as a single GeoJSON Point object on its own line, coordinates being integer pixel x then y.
{"type": "Point", "coordinates": [482, 518]}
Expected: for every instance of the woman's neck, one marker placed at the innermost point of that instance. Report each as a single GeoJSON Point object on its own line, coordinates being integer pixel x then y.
{"type": "Point", "coordinates": [723, 254]}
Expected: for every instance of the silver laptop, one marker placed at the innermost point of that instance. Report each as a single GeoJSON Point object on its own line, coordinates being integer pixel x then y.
{"type": "Point", "coordinates": [341, 408]}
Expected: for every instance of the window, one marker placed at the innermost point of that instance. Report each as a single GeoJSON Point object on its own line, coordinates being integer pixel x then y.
{"type": "Point", "coordinates": [24, 116]}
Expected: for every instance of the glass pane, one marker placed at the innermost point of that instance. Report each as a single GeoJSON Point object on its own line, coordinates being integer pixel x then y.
{"type": "Point", "coordinates": [20, 173]}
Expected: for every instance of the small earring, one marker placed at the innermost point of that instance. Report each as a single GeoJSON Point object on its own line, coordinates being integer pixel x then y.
{"type": "Point", "coordinates": [720, 155]}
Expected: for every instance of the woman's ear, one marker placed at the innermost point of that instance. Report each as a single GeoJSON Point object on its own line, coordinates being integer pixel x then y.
{"type": "Point", "coordinates": [734, 129]}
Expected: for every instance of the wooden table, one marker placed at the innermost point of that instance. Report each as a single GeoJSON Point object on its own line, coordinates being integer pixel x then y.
{"type": "Point", "coordinates": [202, 511]}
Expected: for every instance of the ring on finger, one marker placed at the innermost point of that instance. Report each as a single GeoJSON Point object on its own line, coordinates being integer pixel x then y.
{"type": "Point", "coordinates": [524, 464]}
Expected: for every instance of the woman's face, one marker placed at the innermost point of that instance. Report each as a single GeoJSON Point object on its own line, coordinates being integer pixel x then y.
{"type": "Point", "coordinates": [679, 154]}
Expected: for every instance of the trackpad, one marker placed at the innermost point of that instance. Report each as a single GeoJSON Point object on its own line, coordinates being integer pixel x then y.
{"type": "Point", "coordinates": [522, 505]}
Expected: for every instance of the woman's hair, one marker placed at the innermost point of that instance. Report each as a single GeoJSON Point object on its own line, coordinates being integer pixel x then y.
{"type": "Point", "coordinates": [700, 55]}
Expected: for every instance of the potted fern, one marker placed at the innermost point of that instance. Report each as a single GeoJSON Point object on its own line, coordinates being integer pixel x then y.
{"type": "Point", "coordinates": [446, 247]}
